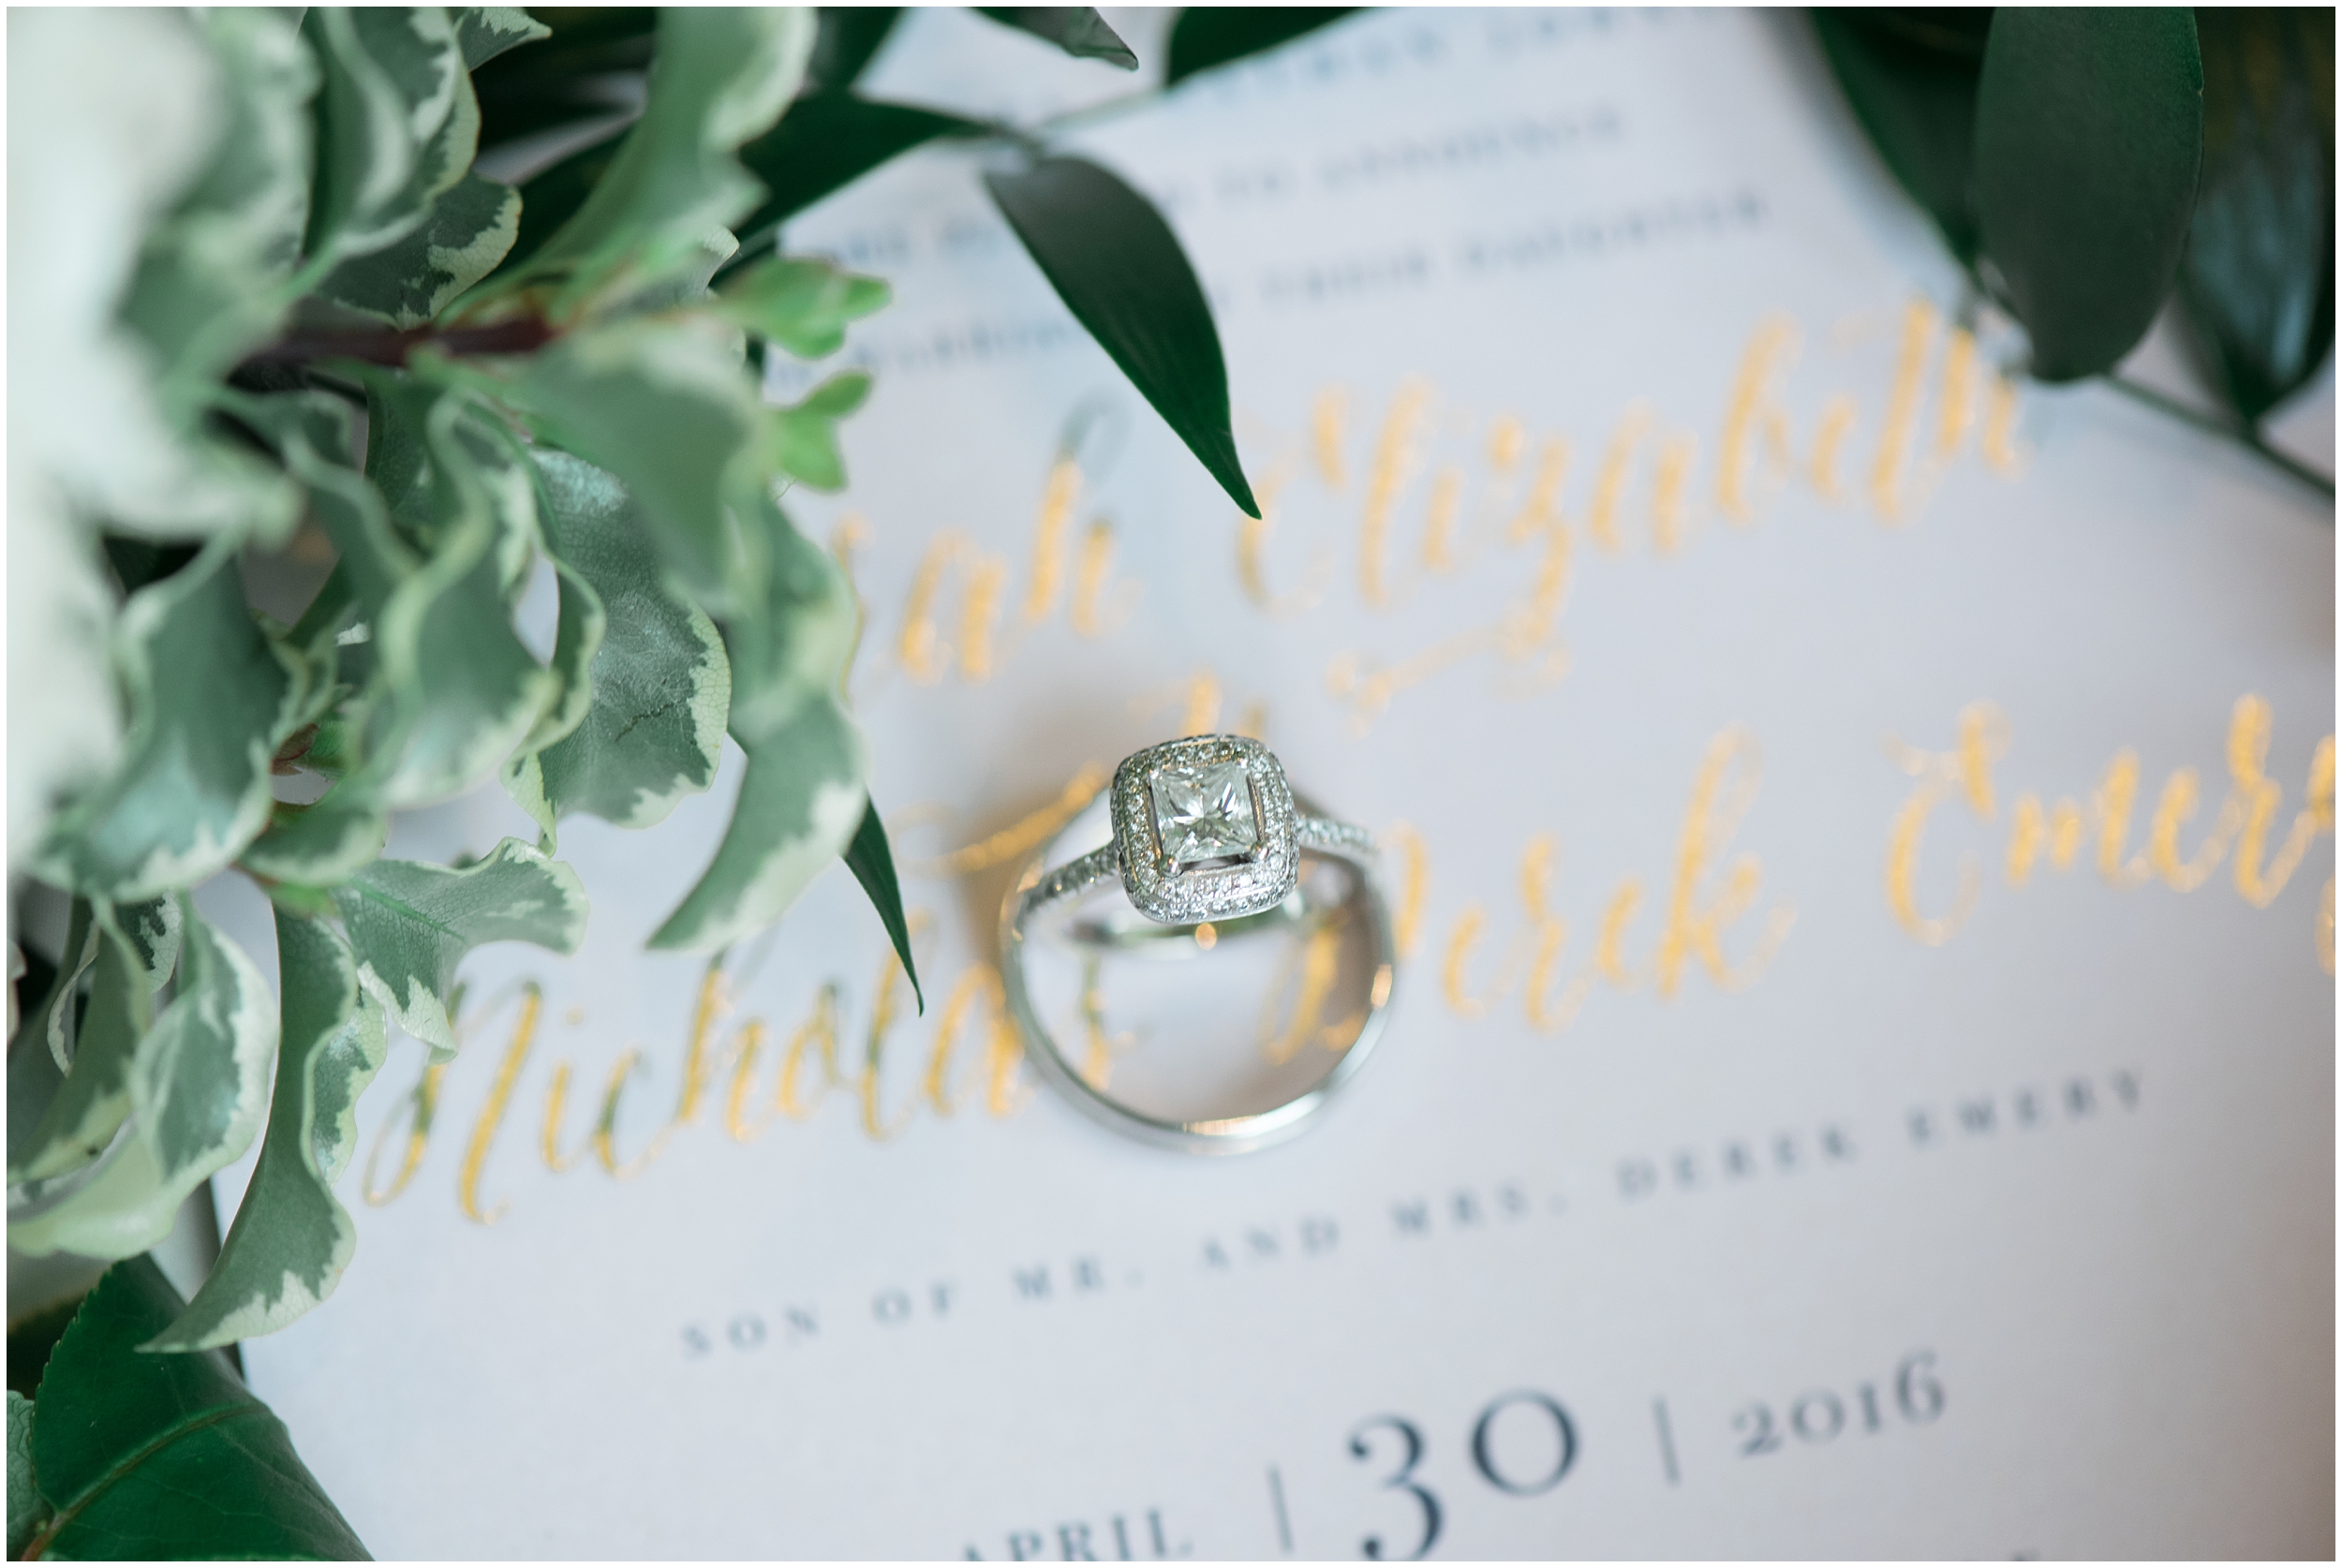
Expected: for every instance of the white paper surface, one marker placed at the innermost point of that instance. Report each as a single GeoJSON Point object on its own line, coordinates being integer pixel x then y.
{"type": "Point", "coordinates": [2021, 1242]}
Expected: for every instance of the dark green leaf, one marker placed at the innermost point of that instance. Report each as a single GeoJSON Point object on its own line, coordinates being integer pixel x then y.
{"type": "Point", "coordinates": [2089, 132]}
{"type": "Point", "coordinates": [659, 684]}
{"type": "Point", "coordinates": [552, 196]}
{"type": "Point", "coordinates": [1912, 87]}
{"type": "Point", "coordinates": [873, 866]}
{"type": "Point", "coordinates": [1118, 268]}
{"type": "Point", "coordinates": [28, 1511]}
{"type": "Point", "coordinates": [849, 37]}
{"type": "Point", "coordinates": [825, 141]}
{"type": "Point", "coordinates": [1078, 30]}
{"type": "Point", "coordinates": [411, 925]}
{"type": "Point", "coordinates": [166, 1456]}
{"type": "Point", "coordinates": [568, 77]}
{"type": "Point", "coordinates": [1209, 35]}
{"type": "Point", "coordinates": [210, 700]}
{"type": "Point", "coordinates": [292, 1239]}
{"type": "Point", "coordinates": [2258, 276]}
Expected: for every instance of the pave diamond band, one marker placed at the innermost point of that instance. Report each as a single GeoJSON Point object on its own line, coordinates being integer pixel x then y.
{"type": "Point", "coordinates": [1207, 836]}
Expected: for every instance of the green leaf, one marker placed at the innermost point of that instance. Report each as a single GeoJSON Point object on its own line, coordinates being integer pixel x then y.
{"type": "Point", "coordinates": [411, 924]}
{"type": "Point", "coordinates": [804, 439]}
{"type": "Point", "coordinates": [666, 407]}
{"type": "Point", "coordinates": [2089, 131]}
{"type": "Point", "coordinates": [1209, 35]}
{"type": "Point", "coordinates": [580, 625]}
{"type": "Point", "coordinates": [660, 685]}
{"type": "Point", "coordinates": [292, 1239]}
{"type": "Point", "coordinates": [802, 796]}
{"type": "Point", "coordinates": [1911, 80]}
{"type": "Point", "coordinates": [210, 700]}
{"type": "Point", "coordinates": [94, 1099]}
{"type": "Point", "coordinates": [801, 302]}
{"type": "Point", "coordinates": [470, 228]}
{"type": "Point", "coordinates": [567, 78]}
{"type": "Point", "coordinates": [484, 32]}
{"type": "Point", "coordinates": [319, 845]}
{"type": "Point", "coordinates": [215, 277]}
{"type": "Point", "coordinates": [166, 1456]}
{"type": "Point", "coordinates": [458, 686]}
{"type": "Point", "coordinates": [873, 866]}
{"type": "Point", "coordinates": [800, 801]}
{"type": "Point", "coordinates": [552, 196]}
{"type": "Point", "coordinates": [198, 1090]}
{"type": "Point", "coordinates": [2258, 276]}
{"type": "Point", "coordinates": [827, 141]}
{"type": "Point", "coordinates": [397, 124]}
{"type": "Point", "coordinates": [848, 37]}
{"type": "Point", "coordinates": [1118, 268]}
{"type": "Point", "coordinates": [28, 1511]}
{"type": "Point", "coordinates": [55, 1021]}
{"type": "Point", "coordinates": [724, 75]}
{"type": "Point", "coordinates": [1078, 30]}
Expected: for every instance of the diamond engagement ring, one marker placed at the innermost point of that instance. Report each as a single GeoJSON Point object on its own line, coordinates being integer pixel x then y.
{"type": "Point", "coordinates": [1210, 845]}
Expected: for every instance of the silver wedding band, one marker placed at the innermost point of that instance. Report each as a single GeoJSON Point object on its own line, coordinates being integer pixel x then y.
{"type": "Point", "coordinates": [1207, 836]}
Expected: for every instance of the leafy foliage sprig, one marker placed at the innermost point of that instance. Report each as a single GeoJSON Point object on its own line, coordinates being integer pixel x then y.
{"type": "Point", "coordinates": [312, 314]}
{"type": "Point", "coordinates": [2089, 166]}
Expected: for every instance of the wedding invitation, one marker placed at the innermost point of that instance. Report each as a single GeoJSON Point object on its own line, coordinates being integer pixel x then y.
{"type": "Point", "coordinates": [1857, 829]}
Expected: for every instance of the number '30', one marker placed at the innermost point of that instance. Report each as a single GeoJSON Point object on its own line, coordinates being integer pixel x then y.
{"type": "Point", "coordinates": [1366, 1443]}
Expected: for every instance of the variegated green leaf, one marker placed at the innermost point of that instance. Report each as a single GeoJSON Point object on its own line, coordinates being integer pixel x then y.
{"type": "Point", "coordinates": [801, 302]}
{"type": "Point", "coordinates": [411, 924]}
{"type": "Point", "coordinates": [724, 75]}
{"type": "Point", "coordinates": [397, 123]}
{"type": "Point", "coordinates": [319, 845]}
{"type": "Point", "coordinates": [800, 801]}
{"type": "Point", "coordinates": [409, 282]}
{"type": "Point", "coordinates": [665, 407]}
{"type": "Point", "coordinates": [56, 1015]}
{"type": "Point", "coordinates": [486, 32]}
{"type": "Point", "coordinates": [292, 1239]}
{"type": "Point", "coordinates": [27, 1509]}
{"type": "Point", "coordinates": [580, 622]}
{"type": "Point", "coordinates": [661, 684]}
{"type": "Point", "coordinates": [92, 1104]}
{"type": "Point", "coordinates": [215, 277]}
{"type": "Point", "coordinates": [210, 702]}
{"type": "Point", "coordinates": [457, 688]}
{"type": "Point", "coordinates": [197, 1089]}
{"type": "Point", "coordinates": [152, 929]}
{"type": "Point", "coordinates": [804, 439]}
{"type": "Point", "coordinates": [802, 796]}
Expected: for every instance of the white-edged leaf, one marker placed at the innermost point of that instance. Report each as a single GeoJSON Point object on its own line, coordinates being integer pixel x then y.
{"type": "Point", "coordinates": [661, 685]}
{"type": "Point", "coordinates": [800, 801]}
{"type": "Point", "coordinates": [92, 1104]}
{"type": "Point", "coordinates": [725, 76]}
{"type": "Point", "coordinates": [487, 31]}
{"type": "Point", "coordinates": [318, 845]}
{"type": "Point", "coordinates": [199, 1088]}
{"type": "Point", "coordinates": [210, 701]}
{"type": "Point", "coordinates": [411, 924]}
{"type": "Point", "coordinates": [27, 1509]}
{"type": "Point", "coordinates": [409, 282]}
{"type": "Point", "coordinates": [292, 1239]}
{"type": "Point", "coordinates": [397, 123]}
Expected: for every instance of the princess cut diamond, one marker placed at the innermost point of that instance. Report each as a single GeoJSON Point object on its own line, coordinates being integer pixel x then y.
{"type": "Point", "coordinates": [1204, 812]}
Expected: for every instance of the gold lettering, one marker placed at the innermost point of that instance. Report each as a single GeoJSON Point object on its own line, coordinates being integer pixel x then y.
{"type": "Point", "coordinates": [1318, 959]}
{"type": "Point", "coordinates": [977, 988]}
{"type": "Point", "coordinates": [1696, 929]}
{"type": "Point", "coordinates": [1959, 395]}
{"type": "Point", "coordinates": [1610, 484]}
{"type": "Point", "coordinates": [2178, 802]}
{"type": "Point", "coordinates": [2029, 829]}
{"type": "Point", "coordinates": [1836, 423]}
{"type": "Point", "coordinates": [1609, 946]}
{"type": "Point", "coordinates": [1754, 412]}
{"type": "Point", "coordinates": [1058, 500]}
{"type": "Point", "coordinates": [1394, 465]}
{"type": "Point", "coordinates": [1091, 581]}
{"type": "Point", "coordinates": [1935, 787]}
{"type": "Point", "coordinates": [1327, 417]}
{"type": "Point", "coordinates": [605, 1134]}
{"type": "Point", "coordinates": [1903, 412]}
{"type": "Point", "coordinates": [1439, 527]}
{"type": "Point", "coordinates": [1547, 1012]}
{"type": "Point", "coordinates": [423, 1102]}
{"type": "Point", "coordinates": [2111, 805]}
{"type": "Point", "coordinates": [1670, 483]}
{"type": "Point", "coordinates": [1414, 885]}
{"type": "Point", "coordinates": [1469, 925]}
{"type": "Point", "coordinates": [818, 1033]}
{"type": "Point", "coordinates": [2257, 797]}
{"type": "Point", "coordinates": [1022, 837]}
{"type": "Point", "coordinates": [1999, 443]}
{"type": "Point", "coordinates": [484, 1130]}
{"type": "Point", "coordinates": [1251, 556]}
{"type": "Point", "coordinates": [883, 1011]}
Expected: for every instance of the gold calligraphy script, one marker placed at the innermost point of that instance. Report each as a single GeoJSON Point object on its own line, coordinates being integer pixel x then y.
{"type": "Point", "coordinates": [745, 1075]}
{"type": "Point", "coordinates": [2262, 851]}
{"type": "Point", "coordinates": [1502, 504]}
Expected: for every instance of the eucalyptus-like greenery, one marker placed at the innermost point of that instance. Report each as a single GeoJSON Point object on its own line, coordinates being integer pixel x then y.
{"type": "Point", "coordinates": [2088, 165]}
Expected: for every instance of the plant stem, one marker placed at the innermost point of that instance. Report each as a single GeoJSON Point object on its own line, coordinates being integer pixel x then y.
{"type": "Point", "coordinates": [521, 337]}
{"type": "Point", "coordinates": [2243, 435]}
{"type": "Point", "coordinates": [1104, 110]}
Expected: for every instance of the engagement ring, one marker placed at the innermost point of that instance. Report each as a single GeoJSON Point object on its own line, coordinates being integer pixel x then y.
{"type": "Point", "coordinates": [1211, 848]}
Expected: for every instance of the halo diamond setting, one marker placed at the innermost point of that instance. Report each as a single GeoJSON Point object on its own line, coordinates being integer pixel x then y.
{"type": "Point", "coordinates": [1205, 829]}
